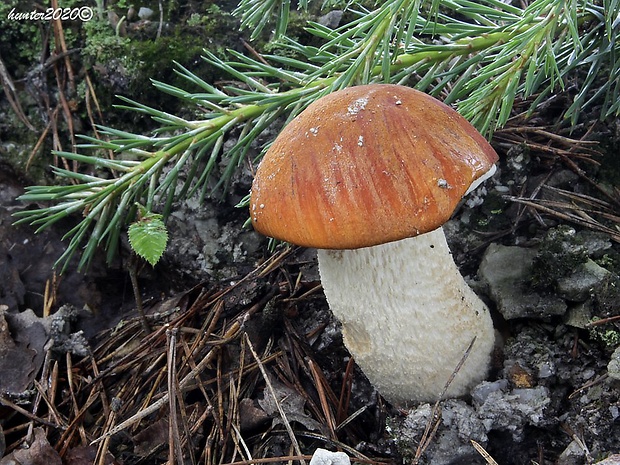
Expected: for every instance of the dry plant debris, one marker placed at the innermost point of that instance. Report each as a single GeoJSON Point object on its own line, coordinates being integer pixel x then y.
{"type": "Point", "coordinates": [557, 146]}
{"type": "Point", "coordinates": [60, 110]}
{"type": "Point", "coordinates": [209, 384]}
{"type": "Point", "coordinates": [576, 208]}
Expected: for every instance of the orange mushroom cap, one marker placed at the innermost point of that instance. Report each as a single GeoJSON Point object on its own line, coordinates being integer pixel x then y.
{"type": "Point", "coordinates": [364, 166]}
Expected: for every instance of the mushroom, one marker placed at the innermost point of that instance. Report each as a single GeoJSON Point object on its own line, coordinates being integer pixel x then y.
{"type": "Point", "coordinates": [368, 175]}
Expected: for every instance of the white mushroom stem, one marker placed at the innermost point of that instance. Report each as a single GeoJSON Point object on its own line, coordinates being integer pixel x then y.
{"type": "Point", "coordinates": [408, 317]}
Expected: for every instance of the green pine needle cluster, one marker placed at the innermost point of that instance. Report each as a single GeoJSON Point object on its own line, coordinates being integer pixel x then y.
{"type": "Point", "coordinates": [479, 56]}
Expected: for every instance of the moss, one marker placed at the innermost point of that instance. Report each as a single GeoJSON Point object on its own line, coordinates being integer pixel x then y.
{"type": "Point", "coordinates": [101, 44]}
{"type": "Point", "coordinates": [608, 172]}
{"type": "Point", "coordinates": [559, 253]}
{"type": "Point", "coordinates": [126, 65]}
{"type": "Point", "coordinates": [212, 20]}
{"type": "Point", "coordinates": [33, 37]}
{"type": "Point", "coordinates": [25, 33]}
{"type": "Point", "coordinates": [117, 62]}
{"type": "Point", "coordinates": [607, 299]}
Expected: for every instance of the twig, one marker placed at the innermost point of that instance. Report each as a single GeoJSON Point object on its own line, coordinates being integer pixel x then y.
{"type": "Point", "coordinates": [579, 441]}
{"type": "Point", "coordinates": [351, 417]}
{"type": "Point", "coordinates": [345, 392]}
{"type": "Point", "coordinates": [238, 439]}
{"type": "Point", "coordinates": [483, 452]}
{"type": "Point", "coordinates": [48, 401]}
{"type": "Point", "coordinates": [588, 385]}
{"type": "Point", "coordinates": [253, 51]}
{"type": "Point", "coordinates": [603, 321]}
{"type": "Point", "coordinates": [356, 456]}
{"type": "Point", "coordinates": [71, 383]}
{"type": "Point", "coordinates": [174, 438]}
{"type": "Point", "coordinates": [65, 439]}
{"type": "Point", "coordinates": [161, 20]}
{"type": "Point", "coordinates": [319, 382]}
{"type": "Point", "coordinates": [11, 95]}
{"type": "Point", "coordinates": [132, 268]}
{"type": "Point", "coordinates": [41, 139]}
{"type": "Point", "coordinates": [539, 205]}
{"type": "Point", "coordinates": [202, 365]}
{"type": "Point", "coordinates": [7, 403]}
{"type": "Point", "coordinates": [272, 391]}
{"type": "Point", "coordinates": [435, 419]}
{"type": "Point", "coordinates": [62, 45]}
{"type": "Point", "coordinates": [46, 376]}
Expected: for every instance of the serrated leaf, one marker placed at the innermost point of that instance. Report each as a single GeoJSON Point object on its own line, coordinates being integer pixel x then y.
{"type": "Point", "coordinates": [148, 237]}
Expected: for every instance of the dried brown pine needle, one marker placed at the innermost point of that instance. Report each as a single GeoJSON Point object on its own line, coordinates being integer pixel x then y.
{"type": "Point", "coordinates": [583, 210]}
{"type": "Point", "coordinates": [184, 384]}
{"type": "Point", "coordinates": [484, 453]}
{"type": "Point", "coordinates": [183, 391]}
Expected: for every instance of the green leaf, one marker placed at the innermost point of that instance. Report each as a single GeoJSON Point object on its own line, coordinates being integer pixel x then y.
{"type": "Point", "coordinates": [148, 237]}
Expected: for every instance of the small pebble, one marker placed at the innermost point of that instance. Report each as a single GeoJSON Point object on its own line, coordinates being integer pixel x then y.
{"type": "Point", "coordinates": [326, 457]}
{"type": "Point", "coordinates": [145, 13]}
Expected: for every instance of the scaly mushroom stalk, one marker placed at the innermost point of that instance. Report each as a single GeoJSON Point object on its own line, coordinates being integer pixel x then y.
{"type": "Point", "coordinates": [409, 324]}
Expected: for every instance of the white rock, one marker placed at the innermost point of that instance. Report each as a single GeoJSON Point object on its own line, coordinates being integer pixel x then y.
{"type": "Point", "coordinates": [613, 367]}
{"type": "Point", "coordinates": [326, 457]}
{"type": "Point", "coordinates": [145, 13]}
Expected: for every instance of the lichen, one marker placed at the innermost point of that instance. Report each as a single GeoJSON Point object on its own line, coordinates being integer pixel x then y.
{"type": "Point", "coordinates": [610, 338]}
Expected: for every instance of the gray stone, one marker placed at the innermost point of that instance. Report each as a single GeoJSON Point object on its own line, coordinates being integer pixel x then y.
{"type": "Point", "coordinates": [596, 243]}
{"type": "Point", "coordinates": [582, 282]}
{"type": "Point", "coordinates": [331, 19]}
{"type": "Point", "coordinates": [481, 392]}
{"type": "Point", "coordinates": [572, 455]}
{"type": "Point", "coordinates": [613, 367]}
{"type": "Point", "coordinates": [505, 272]}
{"type": "Point", "coordinates": [513, 410]}
{"type": "Point", "coordinates": [452, 441]}
{"type": "Point", "coordinates": [580, 315]}
{"type": "Point", "coordinates": [145, 13]}
{"type": "Point", "coordinates": [611, 460]}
